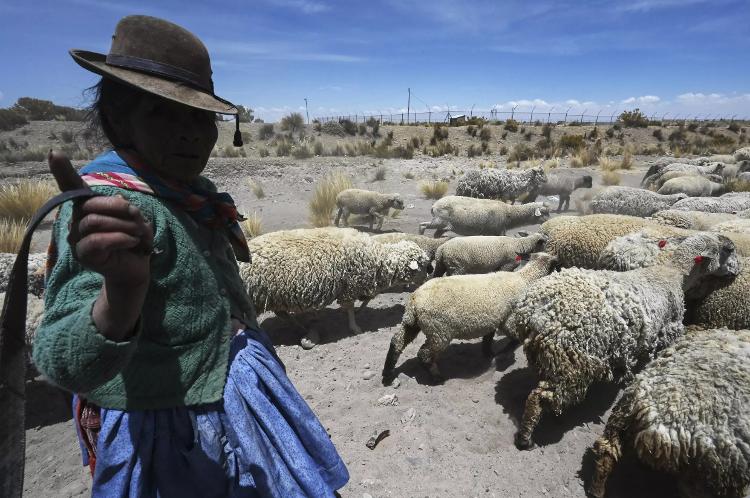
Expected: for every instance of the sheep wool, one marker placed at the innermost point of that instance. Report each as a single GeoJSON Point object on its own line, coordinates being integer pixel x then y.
{"type": "Point", "coordinates": [727, 203]}
{"type": "Point", "coordinates": [468, 216]}
{"type": "Point", "coordinates": [461, 307]}
{"type": "Point", "coordinates": [307, 269]}
{"type": "Point", "coordinates": [34, 315]}
{"type": "Point", "coordinates": [692, 186]}
{"type": "Point", "coordinates": [631, 201]}
{"type": "Point", "coordinates": [366, 202]}
{"type": "Point", "coordinates": [484, 254]}
{"type": "Point", "coordinates": [562, 183]}
{"type": "Point", "coordinates": [742, 154]}
{"type": "Point", "coordinates": [428, 244]}
{"type": "Point", "coordinates": [693, 220]}
{"type": "Point", "coordinates": [653, 176]}
{"type": "Point", "coordinates": [582, 326]}
{"type": "Point", "coordinates": [37, 262]}
{"type": "Point", "coordinates": [723, 303]}
{"type": "Point", "coordinates": [686, 414]}
{"type": "Point", "coordinates": [501, 184]}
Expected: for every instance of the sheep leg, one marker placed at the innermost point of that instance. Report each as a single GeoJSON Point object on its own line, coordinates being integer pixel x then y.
{"type": "Point", "coordinates": [338, 216]}
{"type": "Point", "coordinates": [373, 215]}
{"type": "Point", "coordinates": [508, 348]}
{"type": "Point", "coordinates": [532, 414]}
{"type": "Point", "coordinates": [487, 341]}
{"type": "Point", "coordinates": [436, 223]}
{"type": "Point", "coordinates": [346, 217]}
{"type": "Point", "coordinates": [364, 303]}
{"type": "Point", "coordinates": [563, 198]}
{"type": "Point", "coordinates": [399, 341]}
{"type": "Point", "coordinates": [349, 307]}
{"type": "Point", "coordinates": [428, 354]}
{"type": "Point", "coordinates": [608, 450]}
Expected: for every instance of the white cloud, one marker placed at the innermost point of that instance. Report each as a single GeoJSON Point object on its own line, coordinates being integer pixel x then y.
{"type": "Point", "coordinates": [1, 95]}
{"type": "Point", "coordinates": [332, 88]}
{"type": "Point", "coordinates": [645, 99]}
{"type": "Point", "coordinates": [279, 51]}
{"type": "Point", "coordinates": [648, 5]}
{"type": "Point", "coordinates": [306, 6]}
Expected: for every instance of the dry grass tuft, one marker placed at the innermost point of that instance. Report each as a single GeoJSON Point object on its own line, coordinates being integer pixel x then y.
{"type": "Point", "coordinates": [323, 200]}
{"type": "Point", "coordinates": [253, 225]}
{"type": "Point", "coordinates": [409, 175]}
{"type": "Point", "coordinates": [738, 185]}
{"type": "Point", "coordinates": [607, 163]}
{"type": "Point", "coordinates": [380, 173]}
{"type": "Point", "coordinates": [11, 235]}
{"type": "Point", "coordinates": [257, 188]}
{"type": "Point", "coordinates": [19, 201]}
{"type": "Point", "coordinates": [611, 178]}
{"type": "Point", "coordinates": [434, 190]}
{"type": "Point", "coordinates": [627, 158]}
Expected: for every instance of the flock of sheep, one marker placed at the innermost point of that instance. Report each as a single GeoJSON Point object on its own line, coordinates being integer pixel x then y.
{"type": "Point", "coordinates": [603, 297]}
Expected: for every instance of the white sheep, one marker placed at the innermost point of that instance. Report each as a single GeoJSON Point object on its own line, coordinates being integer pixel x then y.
{"type": "Point", "coordinates": [727, 203]}
{"type": "Point", "coordinates": [461, 307]}
{"type": "Point", "coordinates": [469, 216]}
{"type": "Point", "coordinates": [307, 269]}
{"type": "Point", "coordinates": [562, 183]}
{"type": "Point", "coordinates": [484, 253]}
{"type": "Point", "coordinates": [744, 176]}
{"type": "Point", "coordinates": [742, 154]}
{"type": "Point", "coordinates": [428, 244]}
{"type": "Point", "coordinates": [365, 202]}
{"type": "Point", "coordinates": [655, 172]}
{"type": "Point", "coordinates": [686, 414]}
{"type": "Point", "coordinates": [37, 263]}
{"type": "Point", "coordinates": [501, 184]}
{"type": "Point", "coordinates": [582, 326]}
{"type": "Point", "coordinates": [693, 186]}
{"type": "Point", "coordinates": [693, 220]}
{"type": "Point", "coordinates": [670, 175]}
{"type": "Point", "coordinates": [631, 201]}
{"type": "Point", "coordinates": [722, 303]}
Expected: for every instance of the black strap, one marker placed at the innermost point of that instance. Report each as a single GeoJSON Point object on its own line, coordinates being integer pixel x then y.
{"type": "Point", "coordinates": [13, 359]}
{"type": "Point", "coordinates": [161, 69]}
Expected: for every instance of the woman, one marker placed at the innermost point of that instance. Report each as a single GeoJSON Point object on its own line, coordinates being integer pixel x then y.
{"type": "Point", "coordinates": [146, 318]}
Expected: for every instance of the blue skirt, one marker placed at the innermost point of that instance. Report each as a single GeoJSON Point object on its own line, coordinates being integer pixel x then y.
{"type": "Point", "coordinates": [261, 440]}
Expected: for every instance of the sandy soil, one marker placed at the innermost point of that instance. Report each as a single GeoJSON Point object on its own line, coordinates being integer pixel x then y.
{"type": "Point", "coordinates": [454, 439]}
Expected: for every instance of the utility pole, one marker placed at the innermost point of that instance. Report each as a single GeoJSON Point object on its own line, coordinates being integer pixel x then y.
{"type": "Point", "coordinates": [408, 105]}
{"type": "Point", "coordinates": [307, 113]}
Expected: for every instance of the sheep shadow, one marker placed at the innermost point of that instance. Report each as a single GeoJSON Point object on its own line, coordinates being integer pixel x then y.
{"type": "Point", "coordinates": [331, 324]}
{"type": "Point", "coordinates": [463, 360]}
{"type": "Point", "coordinates": [514, 387]}
{"type": "Point", "coordinates": [630, 478]}
{"type": "Point", "coordinates": [46, 404]}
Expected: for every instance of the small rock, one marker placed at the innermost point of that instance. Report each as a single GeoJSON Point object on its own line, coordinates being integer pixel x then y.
{"type": "Point", "coordinates": [468, 437]}
{"type": "Point", "coordinates": [369, 374]}
{"type": "Point", "coordinates": [366, 495]}
{"type": "Point", "coordinates": [475, 400]}
{"type": "Point", "coordinates": [310, 340]}
{"type": "Point", "coordinates": [403, 379]}
{"type": "Point", "coordinates": [367, 366]}
{"type": "Point", "coordinates": [410, 206]}
{"type": "Point", "coordinates": [388, 400]}
{"type": "Point", "coordinates": [408, 416]}
{"type": "Point", "coordinates": [395, 383]}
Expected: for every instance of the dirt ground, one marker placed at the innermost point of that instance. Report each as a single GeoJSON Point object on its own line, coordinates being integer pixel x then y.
{"type": "Point", "coordinates": [448, 440]}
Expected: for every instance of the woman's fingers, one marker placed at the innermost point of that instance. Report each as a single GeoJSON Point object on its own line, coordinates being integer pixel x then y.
{"type": "Point", "coordinates": [114, 205]}
{"type": "Point", "coordinates": [97, 248]}
{"type": "Point", "coordinates": [65, 174]}
{"type": "Point", "coordinates": [92, 223]}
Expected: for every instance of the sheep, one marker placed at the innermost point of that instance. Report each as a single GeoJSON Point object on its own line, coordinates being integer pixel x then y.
{"type": "Point", "coordinates": [631, 201]}
{"type": "Point", "coordinates": [744, 176]}
{"type": "Point", "coordinates": [669, 175]}
{"type": "Point", "coordinates": [366, 202]}
{"type": "Point", "coordinates": [428, 244]}
{"type": "Point", "coordinates": [461, 307]}
{"type": "Point", "coordinates": [693, 186]}
{"type": "Point", "coordinates": [484, 254]}
{"type": "Point", "coordinates": [307, 269]}
{"type": "Point", "coordinates": [582, 326]}
{"type": "Point", "coordinates": [653, 174]}
{"type": "Point", "coordinates": [34, 315]}
{"type": "Point", "coordinates": [727, 203]}
{"type": "Point", "coordinates": [742, 154]}
{"type": "Point", "coordinates": [722, 303]}
{"type": "Point", "coordinates": [468, 216]}
{"type": "Point", "coordinates": [686, 414]}
{"type": "Point", "coordinates": [501, 184]}
{"type": "Point", "coordinates": [578, 240]}
{"type": "Point", "coordinates": [694, 220]}
{"type": "Point", "coordinates": [562, 184]}
{"type": "Point", "coordinates": [734, 170]}
{"type": "Point", "coordinates": [37, 264]}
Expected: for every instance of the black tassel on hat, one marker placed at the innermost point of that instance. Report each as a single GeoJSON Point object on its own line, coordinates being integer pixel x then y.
{"type": "Point", "coordinates": [237, 134]}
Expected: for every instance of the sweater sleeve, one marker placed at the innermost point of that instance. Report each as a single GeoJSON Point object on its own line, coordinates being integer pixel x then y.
{"type": "Point", "coordinates": [68, 349]}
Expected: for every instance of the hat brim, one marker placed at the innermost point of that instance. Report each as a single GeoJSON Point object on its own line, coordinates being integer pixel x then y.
{"type": "Point", "coordinates": [169, 89]}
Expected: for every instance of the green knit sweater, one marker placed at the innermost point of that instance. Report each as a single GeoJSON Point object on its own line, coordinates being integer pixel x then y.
{"type": "Point", "coordinates": [179, 353]}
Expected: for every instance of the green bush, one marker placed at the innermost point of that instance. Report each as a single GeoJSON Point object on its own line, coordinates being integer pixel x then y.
{"type": "Point", "coordinates": [571, 141]}
{"type": "Point", "coordinates": [10, 119]}
{"type": "Point", "coordinates": [45, 110]}
{"type": "Point", "coordinates": [283, 149]}
{"type": "Point", "coordinates": [362, 129]}
{"type": "Point", "coordinates": [266, 131]}
{"type": "Point", "coordinates": [301, 152]}
{"type": "Point", "coordinates": [734, 127]}
{"type": "Point", "coordinates": [511, 125]}
{"type": "Point", "coordinates": [521, 152]}
{"type": "Point", "coordinates": [349, 127]}
{"type": "Point", "coordinates": [633, 119]}
{"type": "Point", "coordinates": [485, 134]}
{"type": "Point", "coordinates": [659, 134]}
{"type": "Point", "coordinates": [439, 133]}
{"type": "Point", "coordinates": [547, 131]}
{"type": "Point", "coordinates": [293, 122]}
{"type": "Point", "coordinates": [333, 128]}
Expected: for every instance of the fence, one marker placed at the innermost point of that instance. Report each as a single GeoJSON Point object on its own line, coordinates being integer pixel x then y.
{"type": "Point", "coordinates": [603, 117]}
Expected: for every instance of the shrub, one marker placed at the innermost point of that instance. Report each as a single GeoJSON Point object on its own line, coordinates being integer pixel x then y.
{"type": "Point", "coordinates": [416, 142]}
{"type": "Point", "coordinates": [375, 125]}
{"type": "Point", "coordinates": [658, 134]}
{"type": "Point", "coordinates": [263, 152]}
{"type": "Point", "coordinates": [11, 235]}
{"type": "Point", "coordinates": [485, 134]}
{"type": "Point", "coordinates": [230, 151]}
{"type": "Point", "coordinates": [610, 132]}
{"type": "Point", "coordinates": [324, 198]}
{"type": "Point", "coordinates": [692, 127]}
{"type": "Point", "coordinates": [607, 163]}
{"type": "Point", "coordinates": [283, 149]}
{"type": "Point", "coordinates": [66, 136]}
{"type": "Point", "coordinates": [442, 149]}
{"type": "Point", "coordinates": [473, 151]}
{"type": "Point", "coordinates": [301, 152]}
{"type": "Point", "coordinates": [10, 119]}
{"type": "Point", "coordinates": [317, 127]}
{"type": "Point", "coordinates": [594, 133]}
{"type": "Point", "coordinates": [409, 175]}
{"type": "Point", "coordinates": [582, 158]}
{"type": "Point", "coordinates": [627, 158]}
{"type": "Point", "coordinates": [403, 152]}
{"type": "Point", "coordinates": [439, 133]}
{"type": "Point", "coordinates": [292, 123]}
{"type": "Point", "coordinates": [503, 150]}
{"type": "Point", "coordinates": [257, 188]}
{"type": "Point", "coordinates": [733, 127]}
{"type": "Point", "coordinates": [19, 201]}
{"type": "Point", "coordinates": [471, 131]}
{"type": "Point", "coordinates": [318, 148]}
{"type": "Point", "coordinates": [45, 110]}
{"type": "Point", "coordinates": [253, 225]}
{"type": "Point", "coordinates": [511, 125]}
{"type": "Point", "coordinates": [633, 119]}
{"type": "Point", "coordinates": [610, 178]}
{"type": "Point", "coordinates": [35, 155]}
{"type": "Point", "coordinates": [362, 129]}
{"type": "Point", "coordinates": [527, 136]}
{"type": "Point", "coordinates": [505, 134]}
{"type": "Point", "coordinates": [266, 131]}
{"type": "Point", "coordinates": [337, 151]}
{"type": "Point", "coordinates": [434, 189]}
{"type": "Point", "coordinates": [571, 141]}
{"type": "Point", "coordinates": [547, 131]}
{"type": "Point", "coordinates": [333, 128]}
{"type": "Point", "coordinates": [380, 173]}
{"type": "Point", "coordinates": [348, 126]}
{"type": "Point", "coordinates": [520, 152]}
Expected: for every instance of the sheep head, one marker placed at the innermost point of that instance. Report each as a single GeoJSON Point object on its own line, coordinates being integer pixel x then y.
{"type": "Point", "coordinates": [402, 262]}
{"type": "Point", "coordinates": [706, 255]}
{"type": "Point", "coordinates": [395, 201]}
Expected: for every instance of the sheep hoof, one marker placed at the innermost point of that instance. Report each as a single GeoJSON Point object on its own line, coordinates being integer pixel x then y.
{"type": "Point", "coordinates": [310, 340]}
{"type": "Point", "coordinates": [388, 379]}
{"type": "Point", "coordinates": [523, 443]}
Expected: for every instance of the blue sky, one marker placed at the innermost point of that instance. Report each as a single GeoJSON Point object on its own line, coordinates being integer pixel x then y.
{"type": "Point", "coordinates": [678, 56]}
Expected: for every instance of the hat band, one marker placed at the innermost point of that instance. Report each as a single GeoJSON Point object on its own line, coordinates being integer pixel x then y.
{"type": "Point", "coordinates": [159, 68]}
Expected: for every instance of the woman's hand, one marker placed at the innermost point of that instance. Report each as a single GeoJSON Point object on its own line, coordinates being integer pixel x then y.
{"type": "Point", "coordinates": [110, 236]}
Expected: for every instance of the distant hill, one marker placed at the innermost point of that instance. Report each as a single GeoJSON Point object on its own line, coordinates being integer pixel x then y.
{"type": "Point", "coordinates": [30, 109]}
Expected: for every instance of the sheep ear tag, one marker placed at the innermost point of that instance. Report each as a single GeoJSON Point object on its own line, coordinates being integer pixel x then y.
{"type": "Point", "coordinates": [537, 212]}
{"type": "Point", "coordinates": [699, 259]}
{"type": "Point", "coordinates": [413, 265]}
{"type": "Point", "coordinates": [662, 243]}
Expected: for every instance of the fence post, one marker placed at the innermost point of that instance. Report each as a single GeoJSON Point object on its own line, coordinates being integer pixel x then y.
{"type": "Point", "coordinates": [402, 118]}
{"type": "Point", "coordinates": [429, 117]}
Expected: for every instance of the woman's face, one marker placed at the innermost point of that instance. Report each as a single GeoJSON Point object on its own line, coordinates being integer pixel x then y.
{"type": "Point", "coordinates": [173, 139]}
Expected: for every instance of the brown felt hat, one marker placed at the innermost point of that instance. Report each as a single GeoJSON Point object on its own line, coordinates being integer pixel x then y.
{"type": "Point", "coordinates": [161, 58]}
